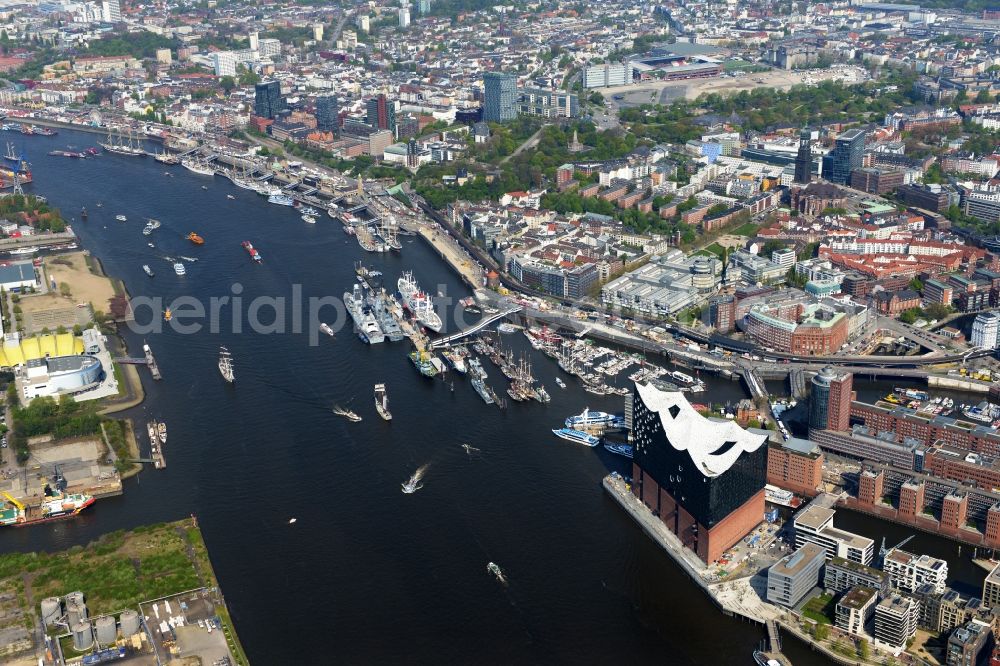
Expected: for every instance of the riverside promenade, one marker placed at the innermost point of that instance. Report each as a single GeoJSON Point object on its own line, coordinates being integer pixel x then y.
{"type": "Point", "coordinates": [740, 597]}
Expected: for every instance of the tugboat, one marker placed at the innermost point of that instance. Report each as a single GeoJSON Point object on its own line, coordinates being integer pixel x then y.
{"type": "Point", "coordinates": [167, 314]}
{"type": "Point", "coordinates": [226, 365]}
{"type": "Point", "coordinates": [382, 402]}
{"type": "Point", "coordinates": [195, 238]}
{"type": "Point", "coordinates": [252, 251]}
{"type": "Point", "coordinates": [346, 413]}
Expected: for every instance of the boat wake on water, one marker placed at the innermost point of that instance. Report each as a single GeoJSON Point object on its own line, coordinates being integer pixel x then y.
{"type": "Point", "coordinates": [413, 485]}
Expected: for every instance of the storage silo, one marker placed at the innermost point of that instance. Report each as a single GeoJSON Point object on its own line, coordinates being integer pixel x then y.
{"type": "Point", "coordinates": [83, 636]}
{"type": "Point", "coordinates": [130, 623]}
{"type": "Point", "coordinates": [107, 629]}
{"type": "Point", "coordinates": [76, 598]}
{"type": "Point", "coordinates": [51, 610]}
{"type": "Point", "coordinates": [76, 608]}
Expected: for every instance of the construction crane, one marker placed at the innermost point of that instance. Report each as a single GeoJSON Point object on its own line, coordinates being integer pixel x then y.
{"type": "Point", "coordinates": [883, 551]}
{"type": "Point", "coordinates": [16, 503]}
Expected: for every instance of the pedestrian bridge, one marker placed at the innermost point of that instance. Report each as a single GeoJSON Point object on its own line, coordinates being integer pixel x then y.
{"type": "Point", "coordinates": [472, 330]}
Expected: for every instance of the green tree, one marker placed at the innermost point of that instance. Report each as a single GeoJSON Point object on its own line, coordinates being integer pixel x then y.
{"type": "Point", "coordinates": [938, 310]}
{"type": "Point", "coordinates": [247, 77]}
{"type": "Point", "coordinates": [864, 651]}
{"type": "Point", "coordinates": [821, 631]}
{"type": "Point", "coordinates": [983, 97]}
{"type": "Point", "coordinates": [227, 83]}
{"type": "Point", "coordinates": [916, 285]}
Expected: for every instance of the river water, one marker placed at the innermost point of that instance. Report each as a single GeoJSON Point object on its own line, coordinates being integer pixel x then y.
{"type": "Point", "coordinates": [367, 573]}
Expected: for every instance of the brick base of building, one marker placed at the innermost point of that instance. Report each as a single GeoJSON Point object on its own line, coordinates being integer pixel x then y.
{"type": "Point", "coordinates": [707, 544]}
{"type": "Point", "coordinates": [921, 522]}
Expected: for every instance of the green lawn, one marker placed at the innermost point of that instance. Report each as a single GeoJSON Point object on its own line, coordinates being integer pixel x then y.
{"type": "Point", "coordinates": [747, 229]}
{"type": "Point", "coordinates": [820, 608]}
{"type": "Point", "coordinates": [715, 249]}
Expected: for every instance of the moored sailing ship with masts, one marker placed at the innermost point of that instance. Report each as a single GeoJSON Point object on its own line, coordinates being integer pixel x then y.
{"type": "Point", "coordinates": [123, 143]}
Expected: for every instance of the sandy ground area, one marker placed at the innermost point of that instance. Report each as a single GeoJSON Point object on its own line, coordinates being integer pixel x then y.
{"type": "Point", "coordinates": [665, 92]}
{"type": "Point", "coordinates": [86, 287]}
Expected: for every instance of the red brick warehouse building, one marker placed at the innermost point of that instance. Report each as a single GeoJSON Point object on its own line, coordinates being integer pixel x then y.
{"type": "Point", "coordinates": [703, 478]}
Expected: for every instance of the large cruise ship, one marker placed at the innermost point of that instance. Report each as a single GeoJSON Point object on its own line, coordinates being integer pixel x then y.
{"type": "Point", "coordinates": [418, 302]}
{"type": "Point", "coordinates": [364, 320]}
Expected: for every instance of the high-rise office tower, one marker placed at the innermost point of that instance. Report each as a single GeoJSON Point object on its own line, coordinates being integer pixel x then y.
{"type": "Point", "coordinates": [268, 101]}
{"type": "Point", "coordinates": [499, 97]}
{"type": "Point", "coordinates": [381, 113]}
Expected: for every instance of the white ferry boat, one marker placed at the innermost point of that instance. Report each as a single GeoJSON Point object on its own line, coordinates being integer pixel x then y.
{"type": "Point", "coordinates": [576, 436]}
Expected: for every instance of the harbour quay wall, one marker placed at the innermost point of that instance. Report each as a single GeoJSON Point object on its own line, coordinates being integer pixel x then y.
{"type": "Point", "coordinates": [958, 383]}
{"type": "Point", "coordinates": [658, 532]}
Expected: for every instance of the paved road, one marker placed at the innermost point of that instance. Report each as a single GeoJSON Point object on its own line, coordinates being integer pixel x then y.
{"type": "Point", "coordinates": [530, 142]}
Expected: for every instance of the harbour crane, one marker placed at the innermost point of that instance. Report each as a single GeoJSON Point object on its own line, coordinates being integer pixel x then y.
{"type": "Point", "coordinates": [883, 551]}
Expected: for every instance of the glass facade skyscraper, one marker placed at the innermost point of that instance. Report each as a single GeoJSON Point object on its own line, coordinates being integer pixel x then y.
{"type": "Point", "coordinates": [268, 101]}
{"type": "Point", "coordinates": [499, 97]}
{"type": "Point", "coordinates": [846, 156]}
{"type": "Point", "coordinates": [326, 113]}
{"type": "Point", "coordinates": [381, 113]}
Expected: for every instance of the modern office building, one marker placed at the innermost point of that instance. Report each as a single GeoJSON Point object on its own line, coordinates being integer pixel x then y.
{"type": "Point", "coordinates": [845, 157]}
{"type": "Point", "coordinates": [327, 110]}
{"type": "Point", "coordinates": [803, 158]}
{"type": "Point", "coordinates": [830, 401]}
{"type": "Point", "coordinates": [404, 17]}
{"type": "Point", "coordinates": [841, 575]}
{"type": "Point", "coordinates": [704, 478]}
{"type": "Point", "coordinates": [111, 11]}
{"type": "Point", "coordinates": [969, 645]}
{"type": "Point", "coordinates": [986, 330]}
{"type": "Point", "coordinates": [790, 578]}
{"type": "Point", "coordinates": [546, 103]}
{"type": "Point", "coordinates": [855, 608]}
{"type": "Point", "coordinates": [607, 74]}
{"type": "Point", "coordinates": [784, 257]}
{"type": "Point", "coordinates": [991, 588]}
{"type": "Point", "coordinates": [814, 524]}
{"type": "Point", "coordinates": [908, 571]}
{"type": "Point", "coordinates": [499, 97]}
{"type": "Point", "coordinates": [982, 205]}
{"type": "Point", "coordinates": [896, 621]}
{"type": "Point", "coordinates": [268, 101]}
{"type": "Point", "coordinates": [381, 113]}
